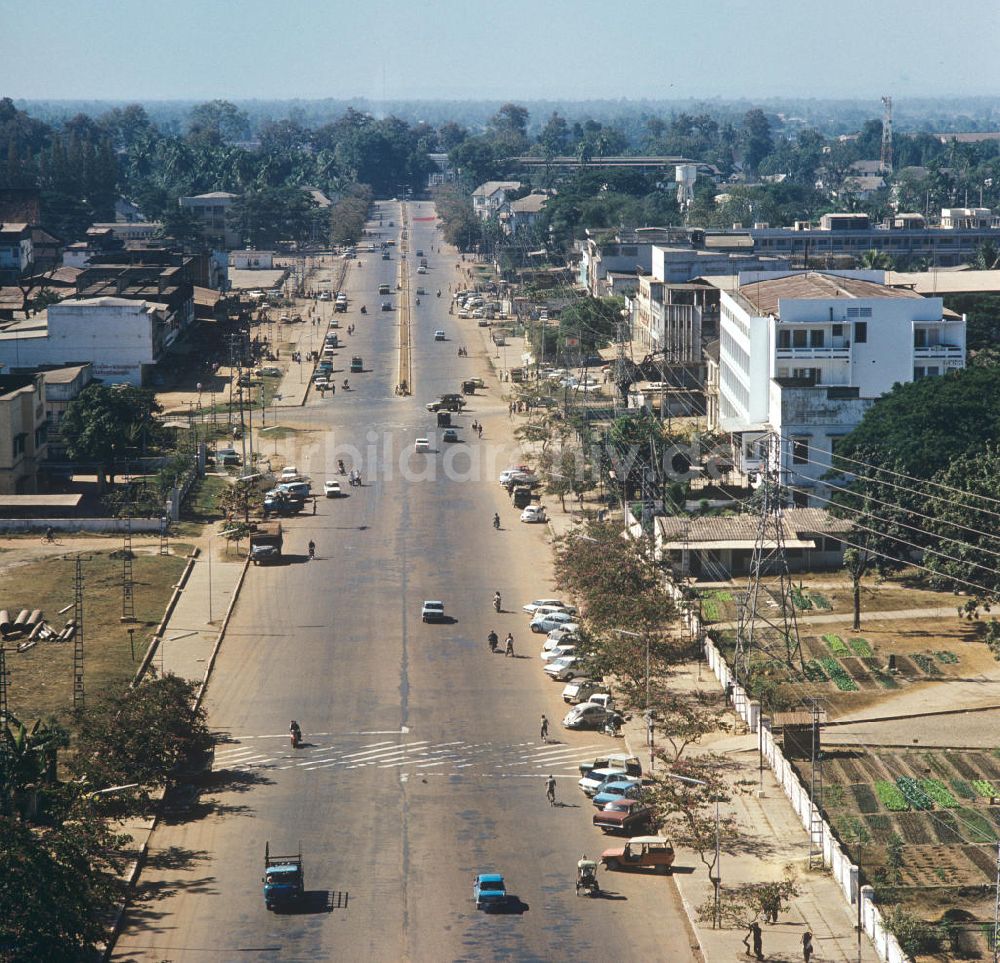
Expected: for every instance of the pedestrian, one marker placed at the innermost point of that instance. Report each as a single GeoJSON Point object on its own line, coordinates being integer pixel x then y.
{"type": "Point", "coordinates": [807, 946]}
{"type": "Point", "coordinates": [550, 790]}
{"type": "Point", "coordinates": [508, 645]}
{"type": "Point", "coordinates": [544, 729]}
{"type": "Point", "coordinates": [333, 388]}
{"type": "Point", "coordinates": [771, 907]}
{"type": "Point", "coordinates": [314, 505]}
{"type": "Point", "coordinates": [480, 431]}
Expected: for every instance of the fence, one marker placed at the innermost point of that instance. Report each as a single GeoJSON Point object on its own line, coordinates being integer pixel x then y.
{"type": "Point", "coordinates": [844, 872]}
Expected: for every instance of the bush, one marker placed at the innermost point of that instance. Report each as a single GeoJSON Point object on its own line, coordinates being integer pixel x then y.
{"type": "Point", "coordinates": [938, 791]}
{"type": "Point", "coordinates": [915, 936]}
{"type": "Point", "coordinates": [914, 793]}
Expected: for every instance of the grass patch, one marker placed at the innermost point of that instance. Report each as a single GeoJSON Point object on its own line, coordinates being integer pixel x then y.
{"type": "Point", "coordinates": [861, 647]}
{"type": "Point", "coordinates": [837, 646]}
{"type": "Point", "coordinates": [203, 498]}
{"type": "Point", "coordinates": [41, 679]}
{"type": "Point", "coordinates": [833, 796]}
{"type": "Point", "coordinates": [881, 827]}
{"type": "Point", "coordinates": [890, 796]}
{"type": "Point", "coordinates": [839, 675]}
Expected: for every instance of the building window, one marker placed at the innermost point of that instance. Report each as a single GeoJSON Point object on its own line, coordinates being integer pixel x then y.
{"type": "Point", "coordinates": [837, 331]}
{"type": "Point", "coordinates": [816, 338]}
{"type": "Point", "coordinates": [919, 373]}
{"type": "Point", "coordinates": [860, 332]}
{"type": "Point", "coordinates": [866, 312]}
{"type": "Point", "coordinates": [784, 339]}
{"type": "Point", "coordinates": [800, 451]}
{"type": "Point", "coordinates": [919, 337]}
{"type": "Point", "coordinates": [19, 443]}
{"type": "Point", "coordinates": [798, 339]}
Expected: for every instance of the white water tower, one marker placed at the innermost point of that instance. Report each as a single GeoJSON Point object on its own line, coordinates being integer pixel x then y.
{"type": "Point", "coordinates": [685, 175]}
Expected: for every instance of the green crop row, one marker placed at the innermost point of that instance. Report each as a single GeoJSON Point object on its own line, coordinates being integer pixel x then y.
{"type": "Point", "coordinates": [963, 789]}
{"type": "Point", "coordinates": [820, 602]}
{"type": "Point", "coordinates": [914, 793]}
{"type": "Point", "coordinates": [837, 646]}
{"type": "Point", "coordinates": [839, 675]}
{"type": "Point", "coordinates": [890, 796]}
{"type": "Point", "coordinates": [926, 664]}
{"type": "Point", "coordinates": [861, 647]}
{"type": "Point", "coordinates": [939, 792]}
{"type": "Point", "coordinates": [814, 672]}
{"type": "Point", "coordinates": [984, 787]}
{"type": "Point", "coordinates": [948, 658]}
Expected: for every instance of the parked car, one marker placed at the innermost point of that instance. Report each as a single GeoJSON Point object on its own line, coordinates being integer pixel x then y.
{"type": "Point", "coordinates": [624, 815]}
{"type": "Point", "coordinates": [332, 489]}
{"type": "Point", "coordinates": [580, 690]}
{"type": "Point", "coordinates": [489, 891]}
{"type": "Point", "coordinates": [559, 652]}
{"type": "Point", "coordinates": [553, 642]}
{"type": "Point", "coordinates": [386, 305]}
{"type": "Point", "coordinates": [432, 611]}
{"type": "Point", "coordinates": [641, 852]}
{"type": "Point", "coordinates": [227, 456]}
{"type": "Point", "coordinates": [565, 668]}
{"type": "Point", "coordinates": [297, 489]}
{"type": "Point", "coordinates": [439, 335]}
{"type": "Point", "coordinates": [506, 474]}
{"type": "Point", "coordinates": [592, 781]}
{"type": "Point", "coordinates": [534, 514]}
{"type": "Point", "coordinates": [586, 715]}
{"type": "Point", "coordinates": [422, 445]}
{"type": "Point", "coordinates": [620, 788]}
{"type": "Point", "coordinates": [554, 620]}
{"type": "Point", "coordinates": [618, 760]}
{"type": "Point", "coordinates": [530, 607]}
{"type": "Point", "coordinates": [544, 610]}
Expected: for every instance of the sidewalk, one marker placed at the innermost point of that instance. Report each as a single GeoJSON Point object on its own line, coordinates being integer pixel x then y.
{"type": "Point", "coordinates": [777, 842]}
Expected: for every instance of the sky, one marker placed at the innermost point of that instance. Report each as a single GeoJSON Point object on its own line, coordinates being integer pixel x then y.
{"type": "Point", "coordinates": [137, 50]}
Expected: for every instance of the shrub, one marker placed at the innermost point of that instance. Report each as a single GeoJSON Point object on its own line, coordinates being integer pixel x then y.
{"type": "Point", "coordinates": [890, 796]}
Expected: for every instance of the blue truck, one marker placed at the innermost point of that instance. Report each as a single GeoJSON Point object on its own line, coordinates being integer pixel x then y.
{"type": "Point", "coordinates": [283, 879]}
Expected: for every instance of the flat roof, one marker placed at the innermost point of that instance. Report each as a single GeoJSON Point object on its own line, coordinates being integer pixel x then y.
{"type": "Point", "coordinates": [946, 282]}
{"type": "Point", "coordinates": [245, 280]}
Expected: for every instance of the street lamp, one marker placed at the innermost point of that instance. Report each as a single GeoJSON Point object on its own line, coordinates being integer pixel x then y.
{"type": "Point", "coordinates": [647, 713]}
{"type": "Point", "coordinates": [716, 866]}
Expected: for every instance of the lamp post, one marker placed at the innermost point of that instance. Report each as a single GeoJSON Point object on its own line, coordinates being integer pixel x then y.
{"type": "Point", "coordinates": [647, 714]}
{"type": "Point", "coordinates": [716, 876]}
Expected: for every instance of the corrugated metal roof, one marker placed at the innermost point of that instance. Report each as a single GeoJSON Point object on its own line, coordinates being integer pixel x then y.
{"type": "Point", "coordinates": [764, 295]}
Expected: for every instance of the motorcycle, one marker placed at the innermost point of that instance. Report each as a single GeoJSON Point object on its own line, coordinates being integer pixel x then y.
{"type": "Point", "coordinates": [364, 310]}
{"type": "Point", "coordinates": [418, 300]}
{"type": "Point", "coordinates": [586, 877]}
{"type": "Point", "coordinates": [295, 735]}
{"type": "Point", "coordinates": [341, 467]}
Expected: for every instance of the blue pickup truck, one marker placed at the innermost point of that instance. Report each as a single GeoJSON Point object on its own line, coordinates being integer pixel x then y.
{"type": "Point", "coordinates": [489, 891]}
{"type": "Point", "coordinates": [284, 881]}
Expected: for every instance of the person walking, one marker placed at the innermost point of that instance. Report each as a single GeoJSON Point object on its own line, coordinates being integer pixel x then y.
{"type": "Point", "coordinates": [544, 729]}
{"type": "Point", "coordinates": [550, 790]}
{"type": "Point", "coordinates": [508, 645]}
{"type": "Point", "coordinates": [807, 946]}
{"type": "Point", "coordinates": [755, 934]}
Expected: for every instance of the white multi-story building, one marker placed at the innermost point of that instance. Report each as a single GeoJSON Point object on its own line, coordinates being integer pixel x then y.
{"type": "Point", "coordinates": [803, 356]}
{"type": "Point", "coordinates": [489, 198]}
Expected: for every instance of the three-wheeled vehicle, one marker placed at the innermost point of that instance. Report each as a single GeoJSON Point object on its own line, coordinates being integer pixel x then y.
{"type": "Point", "coordinates": [469, 387]}
{"type": "Point", "coordinates": [586, 877]}
{"type": "Point", "coordinates": [444, 419]}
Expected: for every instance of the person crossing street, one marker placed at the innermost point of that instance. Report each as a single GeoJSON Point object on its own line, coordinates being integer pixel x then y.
{"type": "Point", "coordinates": [550, 790]}
{"type": "Point", "coordinates": [544, 729]}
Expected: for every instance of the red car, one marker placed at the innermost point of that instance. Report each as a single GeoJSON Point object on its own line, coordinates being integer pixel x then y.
{"type": "Point", "coordinates": [627, 816]}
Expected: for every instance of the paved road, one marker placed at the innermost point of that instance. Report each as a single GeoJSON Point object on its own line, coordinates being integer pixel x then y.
{"type": "Point", "coordinates": [422, 763]}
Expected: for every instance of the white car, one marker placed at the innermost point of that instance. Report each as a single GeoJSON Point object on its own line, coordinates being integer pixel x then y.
{"type": "Point", "coordinates": [587, 715]}
{"type": "Point", "coordinates": [562, 639]}
{"type": "Point", "coordinates": [554, 620]}
{"type": "Point", "coordinates": [509, 473]}
{"type": "Point", "coordinates": [580, 690]}
{"type": "Point", "coordinates": [549, 609]}
{"type": "Point", "coordinates": [564, 669]}
{"type": "Point", "coordinates": [538, 603]}
{"type": "Point", "coordinates": [332, 489]}
{"type": "Point", "coordinates": [422, 444]}
{"type": "Point", "coordinates": [595, 777]}
{"type": "Point", "coordinates": [439, 335]}
{"type": "Point", "coordinates": [288, 473]}
{"type": "Point", "coordinates": [534, 514]}
{"type": "Point", "coordinates": [558, 652]}
{"type": "Point", "coordinates": [432, 611]}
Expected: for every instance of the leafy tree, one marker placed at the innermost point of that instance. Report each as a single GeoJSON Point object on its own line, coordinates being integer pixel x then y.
{"type": "Point", "coordinates": [927, 424]}
{"type": "Point", "coordinates": [874, 260]}
{"type": "Point", "coordinates": [59, 884]}
{"type": "Point", "coordinates": [590, 322]}
{"type": "Point", "coordinates": [105, 423]}
{"type": "Point", "coordinates": [461, 226]}
{"type": "Point", "coordinates": [739, 906]}
{"type": "Point", "coordinates": [140, 735]}
{"type": "Point", "coordinates": [216, 121]}
{"type": "Point", "coordinates": [184, 226]}
{"type": "Point", "coordinates": [982, 323]}
{"type": "Point", "coordinates": [241, 499]}
{"type": "Point", "coordinates": [756, 140]}
{"type": "Point", "coordinates": [987, 256]}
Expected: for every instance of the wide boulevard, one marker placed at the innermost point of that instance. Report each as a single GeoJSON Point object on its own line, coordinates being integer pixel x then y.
{"type": "Point", "coordinates": [421, 764]}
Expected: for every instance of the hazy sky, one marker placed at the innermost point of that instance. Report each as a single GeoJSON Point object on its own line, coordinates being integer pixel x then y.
{"type": "Point", "coordinates": [516, 49]}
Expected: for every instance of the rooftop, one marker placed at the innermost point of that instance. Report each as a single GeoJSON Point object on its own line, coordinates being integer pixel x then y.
{"type": "Point", "coordinates": [491, 187]}
{"type": "Point", "coordinates": [946, 282]}
{"type": "Point", "coordinates": [531, 204]}
{"type": "Point", "coordinates": [765, 295]}
{"type": "Point", "coordinates": [740, 531]}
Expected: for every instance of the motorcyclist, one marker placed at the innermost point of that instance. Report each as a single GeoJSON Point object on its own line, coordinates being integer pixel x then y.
{"type": "Point", "coordinates": [497, 601]}
{"type": "Point", "coordinates": [439, 292]}
{"type": "Point", "coordinates": [418, 300]}
{"type": "Point", "coordinates": [312, 548]}
{"type": "Point", "coordinates": [496, 520]}
{"type": "Point", "coordinates": [493, 639]}
{"type": "Point", "coordinates": [295, 732]}
{"type": "Point", "coordinates": [341, 467]}
{"type": "Point", "coordinates": [347, 385]}
{"type": "Point", "coordinates": [364, 310]}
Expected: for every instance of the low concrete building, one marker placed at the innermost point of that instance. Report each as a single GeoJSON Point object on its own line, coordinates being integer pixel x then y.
{"type": "Point", "coordinates": [62, 385]}
{"type": "Point", "coordinates": [489, 198]}
{"type": "Point", "coordinates": [15, 250]}
{"type": "Point", "coordinates": [249, 260]}
{"type": "Point", "coordinates": [23, 432]}
{"type": "Point", "coordinates": [718, 548]}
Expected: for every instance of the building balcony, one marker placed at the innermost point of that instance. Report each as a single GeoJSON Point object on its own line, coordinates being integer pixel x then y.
{"type": "Point", "coordinates": [949, 351]}
{"type": "Point", "coordinates": [801, 354]}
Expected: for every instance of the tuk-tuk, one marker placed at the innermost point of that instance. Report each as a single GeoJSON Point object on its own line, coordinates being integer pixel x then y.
{"type": "Point", "coordinates": [586, 877]}
{"type": "Point", "coordinates": [522, 496]}
{"type": "Point", "coordinates": [517, 375]}
{"type": "Point", "coordinates": [444, 419]}
{"type": "Point", "coordinates": [468, 387]}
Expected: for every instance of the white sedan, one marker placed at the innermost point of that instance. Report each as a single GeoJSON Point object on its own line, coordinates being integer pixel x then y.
{"type": "Point", "coordinates": [534, 514]}
{"type": "Point", "coordinates": [553, 620]}
{"type": "Point", "coordinates": [538, 603]}
{"type": "Point", "coordinates": [564, 669]}
{"type": "Point", "coordinates": [332, 489]}
{"type": "Point", "coordinates": [557, 652]}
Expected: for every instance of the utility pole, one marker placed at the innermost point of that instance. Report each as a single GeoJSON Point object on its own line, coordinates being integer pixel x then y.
{"type": "Point", "coordinates": [128, 585]}
{"type": "Point", "coordinates": [78, 691]}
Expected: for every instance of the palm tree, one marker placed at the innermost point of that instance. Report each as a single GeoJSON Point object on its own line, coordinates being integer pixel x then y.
{"type": "Point", "coordinates": [874, 260]}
